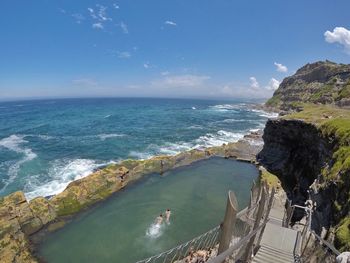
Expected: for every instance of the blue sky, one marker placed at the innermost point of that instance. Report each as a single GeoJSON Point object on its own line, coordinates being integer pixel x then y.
{"type": "Point", "coordinates": [185, 48]}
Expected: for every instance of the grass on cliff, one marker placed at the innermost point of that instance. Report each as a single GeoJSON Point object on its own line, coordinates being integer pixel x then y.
{"type": "Point", "coordinates": [271, 179]}
{"type": "Point", "coordinates": [342, 235]}
{"type": "Point", "coordinates": [321, 114]}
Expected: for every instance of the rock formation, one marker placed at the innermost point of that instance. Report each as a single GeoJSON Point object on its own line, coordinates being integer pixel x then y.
{"type": "Point", "coordinates": [323, 82]}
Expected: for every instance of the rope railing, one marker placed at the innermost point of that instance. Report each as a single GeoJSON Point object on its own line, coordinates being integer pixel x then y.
{"type": "Point", "coordinates": [206, 241]}
{"type": "Point", "coordinates": [237, 230]}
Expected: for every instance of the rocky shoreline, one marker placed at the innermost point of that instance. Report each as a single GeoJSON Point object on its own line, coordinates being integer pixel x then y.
{"type": "Point", "coordinates": [22, 222]}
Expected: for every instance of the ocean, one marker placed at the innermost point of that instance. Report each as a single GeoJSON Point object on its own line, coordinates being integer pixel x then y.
{"type": "Point", "coordinates": [45, 144]}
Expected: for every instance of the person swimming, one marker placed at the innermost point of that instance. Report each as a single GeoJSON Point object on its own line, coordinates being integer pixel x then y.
{"type": "Point", "coordinates": [167, 215]}
{"type": "Point", "coordinates": [159, 219]}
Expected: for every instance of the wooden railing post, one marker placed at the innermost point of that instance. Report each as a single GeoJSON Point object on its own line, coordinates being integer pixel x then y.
{"type": "Point", "coordinates": [251, 201]}
{"type": "Point", "coordinates": [229, 222]}
{"type": "Point", "coordinates": [288, 214]}
{"type": "Point", "coordinates": [261, 208]}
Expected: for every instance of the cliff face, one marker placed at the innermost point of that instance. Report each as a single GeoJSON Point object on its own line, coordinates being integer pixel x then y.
{"type": "Point", "coordinates": [321, 82]}
{"type": "Point", "coordinates": [297, 152]}
{"type": "Point", "coordinates": [309, 151]}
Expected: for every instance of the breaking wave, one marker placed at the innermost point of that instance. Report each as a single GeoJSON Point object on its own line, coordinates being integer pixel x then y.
{"type": "Point", "coordinates": [61, 173]}
{"type": "Point", "coordinates": [14, 143]}
{"type": "Point", "coordinates": [105, 136]}
{"type": "Point", "coordinates": [207, 140]}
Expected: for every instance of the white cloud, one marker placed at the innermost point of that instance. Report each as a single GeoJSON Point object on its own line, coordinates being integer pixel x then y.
{"type": "Point", "coordinates": [254, 84]}
{"type": "Point", "coordinates": [181, 81]}
{"type": "Point", "coordinates": [97, 26]}
{"type": "Point", "coordinates": [123, 54]}
{"type": "Point", "coordinates": [92, 13]}
{"type": "Point", "coordinates": [339, 35]}
{"type": "Point", "coordinates": [124, 27]}
{"type": "Point", "coordinates": [165, 73]}
{"type": "Point", "coordinates": [102, 13]}
{"type": "Point", "coordinates": [78, 17]}
{"type": "Point", "coordinates": [146, 65]}
{"type": "Point", "coordinates": [84, 82]}
{"type": "Point", "coordinates": [171, 23]}
{"type": "Point", "coordinates": [280, 67]}
{"type": "Point", "coordinates": [116, 6]}
{"type": "Point", "coordinates": [273, 84]}
{"type": "Point", "coordinates": [235, 90]}
{"type": "Point", "coordinates": [99, 14]}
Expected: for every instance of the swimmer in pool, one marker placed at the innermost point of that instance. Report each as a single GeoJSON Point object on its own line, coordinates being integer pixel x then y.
{"type": "Point", "coordinates": [159, 219]}
{"type": "Point", "coordinates": [167, 215]}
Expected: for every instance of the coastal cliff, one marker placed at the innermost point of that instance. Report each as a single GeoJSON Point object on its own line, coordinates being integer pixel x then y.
{"type": "Point", "coordinates": [322, 82]}
{"type": "Point", "coordinates": [310, 152]}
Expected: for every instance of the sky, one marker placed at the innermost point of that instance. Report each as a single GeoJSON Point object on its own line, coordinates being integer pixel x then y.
{"type": "Point", "coordinates": [162, 48]}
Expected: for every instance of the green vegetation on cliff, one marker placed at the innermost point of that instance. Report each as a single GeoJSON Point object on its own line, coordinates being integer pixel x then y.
{"type": "Point", "coordinates": [334, 124]}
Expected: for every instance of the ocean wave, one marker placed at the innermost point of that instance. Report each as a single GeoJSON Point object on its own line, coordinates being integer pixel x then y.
{"type": "Point", "coordinates": [107, 116]}
{"type": "Point", "coordinates": [13, 143]}
{"type": "Point", "coordinates": [219, 138]}
{"type": "Point", "coordinates": [141, 155]}
{"type": "Point", "coordinates": [195, 127]}
{"type": "Point", "coordinates": [228, 107]}
{"type": "Point", "coordinates": [105, 136]}
{"type": "Point", "coordinates": [40, 136]}
{"type": "Point", "coordinates": [61, 173]}
{"type": "Point", "coordinates": [261, 113]}
{"type": "Point", "coordinates": [207, 140]}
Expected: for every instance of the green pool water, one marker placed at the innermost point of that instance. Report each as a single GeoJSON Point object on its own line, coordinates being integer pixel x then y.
{"type": "Point", "coordinates": [120, 229]}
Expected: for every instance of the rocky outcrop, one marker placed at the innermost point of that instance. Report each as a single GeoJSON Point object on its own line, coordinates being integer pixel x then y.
{"type": "Point", "coordinates": [297, 152]}
{"type": "Point", "coordinates": [15, 213]}
{"type": "Point", "coordinates": [323, 82]}
{"type": "Point", "coordinates": [312, 159]}
{"type": "Point", "coordinates": [21, 220]}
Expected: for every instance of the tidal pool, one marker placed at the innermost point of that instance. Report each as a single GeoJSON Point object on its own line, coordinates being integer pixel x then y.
{"type": "Point", "coordinates": [121, 229]}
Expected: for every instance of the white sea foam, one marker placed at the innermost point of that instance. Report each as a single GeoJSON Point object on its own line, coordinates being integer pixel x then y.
{"type": "Point", "coordinates": [61, 173]}
{"type": "Point", "coordinates": [219, 138]}
{"type": "Point", "coordinates": [227, 107]}
{"type": "Point", "coordinates": [141, 155]}
{"type": "Point", "coordinates": [261, 113]}
{"type": "Point", "coordinates": [107, 116]}
{"type": "Point", "coordinates": [195, 127]}
{"type": "Point", "coordinates": [207, 140]}
{"type": "Point", "coordinates": [154, 230]}
{"type": "Point", "coordinates": [105, 136]}
{"type": "Point", "coordinates": [14, 143]}
{"type": "Point", "coordinates": [175, 148]}
{"type": "Point", "coordinates": [40, 136]}
{"type": "Point", "coordinates": [254, 130]}
{"type": "Point", "coordinates": [194, 108]}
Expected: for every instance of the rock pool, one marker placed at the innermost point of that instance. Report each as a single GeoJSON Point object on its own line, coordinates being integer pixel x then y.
{"type": "Point", "coordinates": [121, 229]}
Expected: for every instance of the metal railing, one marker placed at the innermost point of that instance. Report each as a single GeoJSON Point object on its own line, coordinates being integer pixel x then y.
{"type": "Point", "coordinates": [310, 245]}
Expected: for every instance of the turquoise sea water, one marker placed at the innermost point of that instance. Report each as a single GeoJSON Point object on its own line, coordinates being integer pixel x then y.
{"type": "Point", "coordinates": [121, 229]}
{"type": "Point", "coordinates": [46, 144]}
